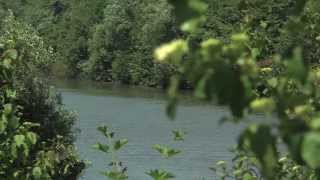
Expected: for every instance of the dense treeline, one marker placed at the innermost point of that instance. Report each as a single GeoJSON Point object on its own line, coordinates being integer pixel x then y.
{"type": "Point", "coordinates": [103, 40]}
{"type": "Point", "coordinates": [112, 41]}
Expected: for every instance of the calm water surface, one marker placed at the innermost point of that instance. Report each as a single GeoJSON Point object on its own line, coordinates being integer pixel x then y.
{"type": "Point", "coordinates": [138, 114]}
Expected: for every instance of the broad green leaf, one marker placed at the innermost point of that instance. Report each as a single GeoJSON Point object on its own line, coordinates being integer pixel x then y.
{"type": "Point", "coordinates": [263, 105]}
{"type": "Point", "coordinates": [31, 137]}
{"type": "Point", "coordinates": [12, 53]}
{"type": "Point", "coordinates": [273, 82]}
{"type": "Point", "coordinates": [240, 38]}
{"type": "Point", "coordinates": [37, 172]}
{"type": "Point", "coordinates": [102, 147]}
{"type": "Point", "coordinates": [172, 51]}
{"type": "Point", "coordinates": [8, 108]}
{"type": "Point", "coordinates": [7, 63]}
{"type": "Point", "coordinates": [19, 140]}
{"type": "Point", "coordinates": [311, 149]}
{"type": "Point", "coordinates": [315, 123]}
{"type": "Point", "coordinates": [14, 122]}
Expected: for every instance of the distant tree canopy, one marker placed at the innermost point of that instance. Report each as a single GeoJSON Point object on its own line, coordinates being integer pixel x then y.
{"type": "Point", "coordinates": [107, 40]}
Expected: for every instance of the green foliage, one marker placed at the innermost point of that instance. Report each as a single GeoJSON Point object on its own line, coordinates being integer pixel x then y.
{"type": "Point", "coordinates": [117, 171]}
{"type": "Point", "coordinates": [165, 151]}
{"type": "Point", "coordinates": [113, 41]}
{"type": "Point", "coordinates": [160, 175]}
{"type": "Point", "coordinates": [244, 166]}
{"type": "Point", "coordinates": [35, 130]}
{"type": "Point", "coordinates": [229, 72]}
{"type": "Point", "coordinates": [121, 45]}
{"type": "Point", "coordinates": [43, 105]}
{"type": "Point", "coordinates": [179, 135]}
{"type": "Point", "coordinates": [35, 53]}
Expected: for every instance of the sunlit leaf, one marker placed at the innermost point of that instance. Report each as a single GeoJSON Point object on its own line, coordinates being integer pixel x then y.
{"type": "Point", "coordinates": [12, 53]}
{"type": "Point", "coordinates": [37, 172]}
{"type": "Point", "coordinates": [102, 147]}
{"type": "Point", "coordinates": [19, 140]}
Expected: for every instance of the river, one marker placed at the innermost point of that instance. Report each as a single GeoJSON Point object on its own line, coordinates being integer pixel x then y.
{"type": "Point", "coordinates": [139, 114]}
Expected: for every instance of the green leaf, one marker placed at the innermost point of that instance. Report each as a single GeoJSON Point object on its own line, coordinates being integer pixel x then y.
{"type": "Point", "coordinates": [273, 82]}
{"type": "Point", "coordinates": [37, 172]}
{"type": "Point", "coordinates": [165, 151]}
{"type": "Point", "coordinates": [19, 140]}
{"type": "Point", "coordinates": [120, 143]}
{"type": "Point", "coordinates": [311, 149]}
{"type": "Point", "coordinates": [7, 63]}
{"type": "Point", "coordinates": [160, 174]}
{"type": "Point", "coordinates": [12, 54]}
{"type": "Point", "coordinates": [7, 109]}
{"type": "Point", "coordinates": [295, 67]}
{"type": "Point", "coordinates": [263, 105]}
{"type": "Point", "coordinates": [104, 130]}
{"type": "Point", "coordinates": [102, 147]}
{"type": "Point", "coordinates": [172, 51]}
{"type": "Point", "coordinates": [179, 135]}
{"type": "Point", "coordinates": [31, 137]}
{"type": "Point", "coordinates": [14, 122]}
{"type": "Point", "coordinates": [3, 123]}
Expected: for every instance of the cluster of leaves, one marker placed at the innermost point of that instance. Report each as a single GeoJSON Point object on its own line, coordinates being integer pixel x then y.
{"type": "Point", "coordinates": [27, 41]}
{"type": "Point", "coordinates": [16, 138]}
{"type": "Point", "coordinates": [121, 45]}
{"type": "Point", "coordinates": [167, 153]}
{"type": "Point", "coordinates": [244, 166]}
{"type": "Point", "coordinates": [118, 171]}
{"type": "Point", "coordinates": [36, 131]}
{"type": "Point", "coordinates": [229, 73]}
{"type": "Point", "coordinates": [23, 153]}
{"type": "Point", "coordinates": [64, 25]}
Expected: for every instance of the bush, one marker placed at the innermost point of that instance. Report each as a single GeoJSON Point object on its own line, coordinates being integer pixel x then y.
{"type": "Point", "coordinates": [36, 140]}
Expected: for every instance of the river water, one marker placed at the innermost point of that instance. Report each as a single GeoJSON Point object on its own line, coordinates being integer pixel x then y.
{"type": "Point", "coordinates": [139, 115]}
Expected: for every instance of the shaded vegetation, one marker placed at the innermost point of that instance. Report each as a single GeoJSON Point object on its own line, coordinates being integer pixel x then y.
{"type": "Point", "coordinates": [35, 129]}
